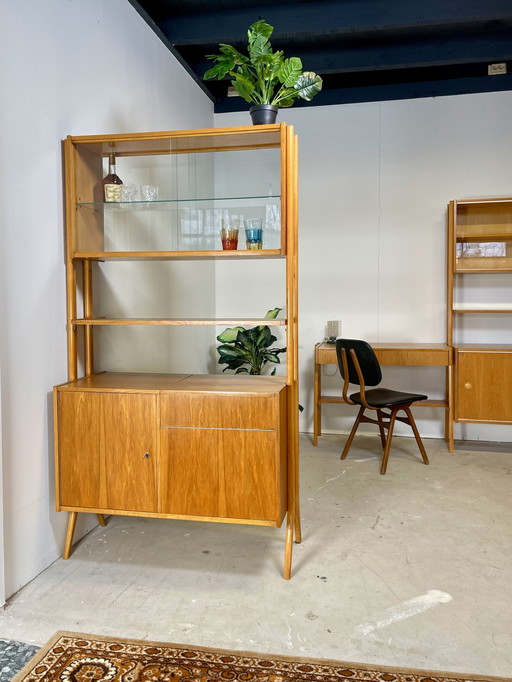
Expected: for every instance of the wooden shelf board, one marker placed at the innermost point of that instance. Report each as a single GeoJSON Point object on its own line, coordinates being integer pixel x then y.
{"type": "Point", "coordinates": [491, 266]}
{"type": "Point", "coordinates": [104, 321]}
{"type": "Point", "coordinates": [497, 235]}
{"type": "Point", "coordinates": [491, 200]}
{"type": "Point", "coordinates": [483, 347]}
{"type": "Point", "coordinates": [141, 382]}
{"type": "Point", "coordinates": [183, 141]}
{"type": "Point", "coordinates": [488, 311]}
{"type": "Point", "coordinates": [239, 254]}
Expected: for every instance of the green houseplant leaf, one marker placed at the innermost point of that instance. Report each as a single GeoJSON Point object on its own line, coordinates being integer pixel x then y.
{"type": "Point", "coordinates": [289, 71]}
{"type": "Point", "coordinates": [229, 335]}
{"type": "Point", "coordinates": [259, 28]}
{"type": "Point", "coordinates": [249, 350]}
{"type": "Point", "coordinates": [263, 76]}
{"type": "Point", "coordinates": [308, 85]}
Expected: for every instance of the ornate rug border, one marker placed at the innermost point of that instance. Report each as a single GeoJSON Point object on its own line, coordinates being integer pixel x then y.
{"type": "Point", "coordinates": [365, 667]}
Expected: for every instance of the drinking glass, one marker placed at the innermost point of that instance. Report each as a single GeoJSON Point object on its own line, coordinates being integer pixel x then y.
{"type": "Point", "coordinates": [128, 195]}
{"type": "Point", "coordinates": [148, 193]}
{"type": "Point", "coordinates": [254, 233]}
{"type": "Point", "coordinates": [229, 234]}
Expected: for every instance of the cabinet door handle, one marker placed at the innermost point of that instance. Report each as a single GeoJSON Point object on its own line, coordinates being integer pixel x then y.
{"type": "Point", "coordinates": [146, 455]}
{"type": "Point", "coordinates": [468, 385]}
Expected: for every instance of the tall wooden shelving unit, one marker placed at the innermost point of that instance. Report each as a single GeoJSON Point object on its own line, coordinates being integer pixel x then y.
{"type": "Point", "coordinates": [479, 242]}
{"type": "Point", "coordinates": [186, 446]}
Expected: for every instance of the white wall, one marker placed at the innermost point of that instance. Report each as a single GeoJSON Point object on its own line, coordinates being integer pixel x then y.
{"type": "Point", "coordinates": [68, 67]}
{"type": "Point", "coordinates": [375, 180]}
{"type": "Point", "coordinates": [2, 555]}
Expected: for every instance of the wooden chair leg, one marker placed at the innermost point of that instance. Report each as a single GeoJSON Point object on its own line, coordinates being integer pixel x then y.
{"type": "Point", "coordinates": [385, 456]}
{"type": "Point", "coordinates": [417, 435]}
{"type": "Point", "coordinates": [382, 431]}
{"type": "Point", "coordinates": [352, 433]}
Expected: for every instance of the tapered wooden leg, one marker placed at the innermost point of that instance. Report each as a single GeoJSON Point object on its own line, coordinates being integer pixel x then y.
{"type": "Point", "coordinates": [290, 521]}
{"type": "Point", "coordinates": [385, 456]}
{"type": "Point", "coordinates": [317, 407]}
{"type": "Point", "coordinates": [352, 433]}
{"type": "Point", "coordinates": [417, 435]}
{"type": "Point", "coordinates": [449, 409]}
{"type": "Point", "coordinates": [380, 416]}
{"type": "Point", "coordinates": [298, 533]}
{"type": "Point", "coordinates": [69, 535]}
{"type": "Point", "coordinates": [101, 519]}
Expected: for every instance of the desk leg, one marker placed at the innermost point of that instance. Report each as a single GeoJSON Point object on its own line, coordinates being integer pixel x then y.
{"type": "Point", "coordinates": [448, 427]}
{"type": "Point", "coordinates": [317, 408]}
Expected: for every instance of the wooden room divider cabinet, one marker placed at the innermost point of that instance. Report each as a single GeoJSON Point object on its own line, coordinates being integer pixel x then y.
{"type": "Point", "coordinates": [479, 243]}
{"type": "Point", "coordinates": [204, 447]}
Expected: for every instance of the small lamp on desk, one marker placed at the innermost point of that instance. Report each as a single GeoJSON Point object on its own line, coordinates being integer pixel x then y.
{"type": "Point", "coordinates": [333, 331]}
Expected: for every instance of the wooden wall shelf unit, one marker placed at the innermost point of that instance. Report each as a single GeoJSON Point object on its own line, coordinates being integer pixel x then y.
{"type": "Point", "coordinates": [182, 446]}
{"type": "Point", "coordinates": [479, 242]}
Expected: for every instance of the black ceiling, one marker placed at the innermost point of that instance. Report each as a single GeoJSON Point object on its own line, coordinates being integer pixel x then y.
{"type": "Point", "coordinates": [365, 50]}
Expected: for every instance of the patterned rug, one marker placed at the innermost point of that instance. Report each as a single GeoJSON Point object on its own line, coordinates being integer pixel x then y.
{"type": "Point", "coordinates": [73, 657]}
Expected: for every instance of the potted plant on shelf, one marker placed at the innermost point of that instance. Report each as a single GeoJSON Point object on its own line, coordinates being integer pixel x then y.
{"type": "Point", "coordinates": [248, 350]}
{"type": "Point", "coordinates": [264, 77]}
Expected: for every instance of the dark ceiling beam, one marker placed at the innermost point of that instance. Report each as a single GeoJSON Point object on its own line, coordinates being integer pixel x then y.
{"type": "Point", "coordinates": [333, 17]}
{"type": "Point", "coordinates": [418, 53]}
{"type": "Point", "coordinates": [387, 92]}
{"type": "Point", "coordinates": [154, 27]}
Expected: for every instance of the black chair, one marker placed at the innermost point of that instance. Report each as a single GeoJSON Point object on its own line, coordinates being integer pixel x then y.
{"type": "Point", "coordinates": [359, 365]}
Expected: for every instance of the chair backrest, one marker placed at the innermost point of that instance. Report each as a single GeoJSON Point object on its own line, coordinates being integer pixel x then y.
{"type": "Point", "coordinates": [366, 357]}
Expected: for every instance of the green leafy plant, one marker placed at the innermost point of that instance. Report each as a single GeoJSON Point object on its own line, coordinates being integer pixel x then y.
{"type": "Point", "coordinates": [264, 76]}
{"type": "Point", "coordinates": [242, 347]}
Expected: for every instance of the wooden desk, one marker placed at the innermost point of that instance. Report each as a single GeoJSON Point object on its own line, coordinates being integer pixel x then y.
{"type": "Point", "coordinates": [410, 354]}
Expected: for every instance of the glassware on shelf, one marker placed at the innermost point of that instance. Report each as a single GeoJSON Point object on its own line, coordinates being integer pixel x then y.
{"type": "Point", "coordinates": [128, 195]}
{"type": "Point", "coordinates": [112, 182]}
{"type": "Point", "coordinates": [229, 234]}
{"type": "Point", "coordinates": [254, 233]}
{"type": "Point", "coordinates": [148, 193]}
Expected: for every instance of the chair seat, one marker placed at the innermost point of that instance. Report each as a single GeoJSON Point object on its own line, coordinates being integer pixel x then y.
{"type": "Point", "coordinates": [385, 397]}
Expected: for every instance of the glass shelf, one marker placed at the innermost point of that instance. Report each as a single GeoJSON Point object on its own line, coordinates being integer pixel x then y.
{"type": "Point", "coordinates": [170, 204]}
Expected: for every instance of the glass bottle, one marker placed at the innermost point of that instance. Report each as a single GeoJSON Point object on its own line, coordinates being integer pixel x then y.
{"type": "Point", "coordinates": [112, 182]}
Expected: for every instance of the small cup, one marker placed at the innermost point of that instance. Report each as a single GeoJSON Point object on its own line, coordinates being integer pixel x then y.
{"type": "Point", "coordinates": [128, 195]}
{"type": "Point", "coordinates": [229, 234]}
{"type": "Point", "coordinates": [254, 233]}
{"type": "Point", "coordinates": [148, 193]}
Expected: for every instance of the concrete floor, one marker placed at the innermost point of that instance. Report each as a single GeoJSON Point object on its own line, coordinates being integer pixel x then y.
{"type": "Point", "coordinates": [412, 569]}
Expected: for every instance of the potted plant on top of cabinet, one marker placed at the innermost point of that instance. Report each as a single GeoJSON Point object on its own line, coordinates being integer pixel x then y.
{"type": "Point", "coordinates": [264, 78]}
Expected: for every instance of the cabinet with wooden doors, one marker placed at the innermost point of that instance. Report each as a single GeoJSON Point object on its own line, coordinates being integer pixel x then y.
{"type": "Point", "coordinates": [479, 283]}
{"type": "Point", "coordinates": [177, 443]}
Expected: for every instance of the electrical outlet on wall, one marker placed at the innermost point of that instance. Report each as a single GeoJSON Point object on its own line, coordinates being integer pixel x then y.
{"type": "Point", "coordinates": [497, 69]}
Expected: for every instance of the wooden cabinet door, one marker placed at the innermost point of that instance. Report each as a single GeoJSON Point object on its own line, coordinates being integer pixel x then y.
{"type": "Point", "coordinates": [484, 386]}
{"type": "Point", "coordinates": [221, 473]}
{"type": "Point", "coordinates": [131, 444]}
{"type": "Point", "coordinates": [79, 457]}
{"type": "Point", "coordinates": [108, 449]}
